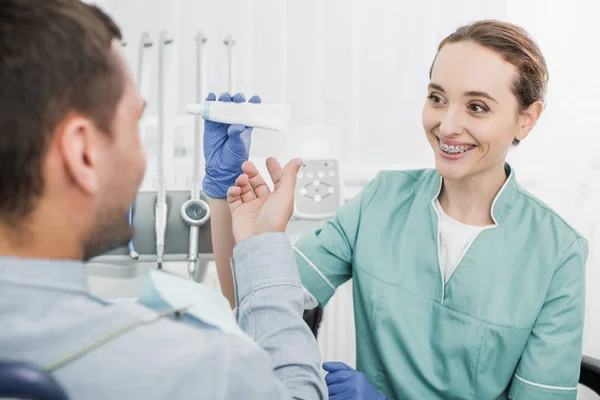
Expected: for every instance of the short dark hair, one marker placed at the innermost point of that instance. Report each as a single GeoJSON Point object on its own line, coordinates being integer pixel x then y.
{"type": "Point", "coordinates": [55, 59]}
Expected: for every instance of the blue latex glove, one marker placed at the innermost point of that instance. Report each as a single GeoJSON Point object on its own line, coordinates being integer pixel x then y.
{"type": "Point", "coordinates": [345, 383]}
{"type": "Point", "coordinates": [226, 147]}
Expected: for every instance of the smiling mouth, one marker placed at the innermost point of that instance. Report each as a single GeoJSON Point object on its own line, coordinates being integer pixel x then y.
{"type": "Point", "coordinates": [454, 149]}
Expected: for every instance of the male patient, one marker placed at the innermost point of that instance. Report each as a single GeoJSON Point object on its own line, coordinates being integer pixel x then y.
{"type": "Point", "coordinates": [71, 163]}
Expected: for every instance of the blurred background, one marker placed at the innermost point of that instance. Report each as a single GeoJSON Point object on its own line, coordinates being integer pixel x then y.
{"type": "Point", "coordinates": [358, 70]}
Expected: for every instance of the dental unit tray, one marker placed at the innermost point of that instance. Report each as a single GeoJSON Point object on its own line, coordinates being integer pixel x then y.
{"type": "Point", "coordinates": [176, 238]}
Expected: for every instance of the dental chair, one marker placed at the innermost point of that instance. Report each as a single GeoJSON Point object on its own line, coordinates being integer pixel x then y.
{"type": "Point", "coordinates": [590, 374]}
{"type": "Point", "coordinates": [313, 319]}
{"type": "Point", "coordinates": [23, 380]}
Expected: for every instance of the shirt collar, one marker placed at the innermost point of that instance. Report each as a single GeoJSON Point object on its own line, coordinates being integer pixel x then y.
{"type": "Point", "coordinates": [503, 201]}
{"type": "Point", "coordinates": [62, 275]}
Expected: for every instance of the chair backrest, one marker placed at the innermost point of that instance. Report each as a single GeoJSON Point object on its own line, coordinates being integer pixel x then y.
{"type": "Point", "coordinates": [23, 380]}
{"type": "Point", "coordinates": [590, 374]}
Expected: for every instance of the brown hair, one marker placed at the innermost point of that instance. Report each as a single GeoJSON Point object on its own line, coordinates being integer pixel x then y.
{"type": "Point", "coordinates": [55, 58]}
{"type": "Point", "coordinates": [516, 47]}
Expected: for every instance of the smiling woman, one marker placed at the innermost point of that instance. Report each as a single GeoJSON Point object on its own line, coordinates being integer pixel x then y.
{"type": "Point", "coordinates": [487, 88]}
{"type": "Point", "coordinates": [465, 286]}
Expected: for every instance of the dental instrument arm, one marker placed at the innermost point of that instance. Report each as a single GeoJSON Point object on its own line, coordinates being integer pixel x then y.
{"type": "Point", "coordinates": [195, 201]}
{"type": "Point", "coordinates": [145, 43]}
{"type": "Point", "coordinates": [132, 253]}
{"type": "Point", "coordinates": [195, 212]}
{"type": "Point", "coordinates": [200, 70]}
{"type": "Point", "coordinates": [161, 197]}
{"type": "Point", "coordinates": [229, 41]}
{"type": "Point", "coordinates": [193, 251]}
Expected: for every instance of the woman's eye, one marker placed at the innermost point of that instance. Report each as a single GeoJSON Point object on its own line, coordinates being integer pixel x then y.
{"type": "Point", "coordinates": [477, 108]}
{"type": "Point", "coordinates": [435, 98]}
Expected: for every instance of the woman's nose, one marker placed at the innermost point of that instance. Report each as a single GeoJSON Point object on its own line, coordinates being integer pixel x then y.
{"type": "Point", "coordinates": [451, 123]}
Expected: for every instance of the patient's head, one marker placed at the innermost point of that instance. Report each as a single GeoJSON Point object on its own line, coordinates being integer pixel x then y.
{"type": "Point", "coordinates": [70, 151]}
{"type": "Point", "coordinates": [486, 92]}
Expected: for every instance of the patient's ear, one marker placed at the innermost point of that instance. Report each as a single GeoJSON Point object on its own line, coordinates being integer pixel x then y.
{"type": "Point", "coordinates": [80, 147]}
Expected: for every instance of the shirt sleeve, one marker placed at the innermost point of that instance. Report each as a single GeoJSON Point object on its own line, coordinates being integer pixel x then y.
{"type": "Point", "coordinates": [250, 376]}
{"type": "Point", "coordinates": [549, 367]}
{"type": "Point", "coordinates": [324, 256]}
{"type": "Point", "coordinates": [269, 309]}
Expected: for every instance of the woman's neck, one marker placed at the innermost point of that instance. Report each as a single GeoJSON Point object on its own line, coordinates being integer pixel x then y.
{"type": "Point", "coordinates": [469, 200]}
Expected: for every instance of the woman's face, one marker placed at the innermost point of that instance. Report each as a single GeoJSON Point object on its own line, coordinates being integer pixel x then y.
{"type": "Point", "coordinates": [471, 115]}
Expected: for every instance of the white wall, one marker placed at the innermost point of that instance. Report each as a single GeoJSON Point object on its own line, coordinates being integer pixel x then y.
{"type": "Point", "coordinates": [361, 66]}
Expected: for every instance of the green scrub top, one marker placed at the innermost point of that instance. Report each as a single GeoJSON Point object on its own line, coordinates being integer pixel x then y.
{"type": "Point", "coordinates": [508, 323]}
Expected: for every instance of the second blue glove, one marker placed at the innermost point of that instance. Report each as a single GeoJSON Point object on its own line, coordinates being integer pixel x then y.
{"type": "Point", "coordinates": [345, 383]}
{"type": "Point", "coordinates": [226, 148]}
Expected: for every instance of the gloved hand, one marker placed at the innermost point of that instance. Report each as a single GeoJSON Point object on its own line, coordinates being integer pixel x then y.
{"type": "Point", "coordinates": [226, 147]}
{"type": "Point", "coordinates": [345, 383]}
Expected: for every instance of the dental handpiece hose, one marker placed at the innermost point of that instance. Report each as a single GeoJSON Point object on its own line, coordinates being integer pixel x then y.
{"type": "Point", "coordinates": [195, 194]}
{"type": "Point", "coordinates": [193, 257]}
{"type": "Point", "coordinates": [161, 195]}
{"type": "Point", "coordinates": [201, 40]}
{"type": "Point", "coordinates": [132, 253]}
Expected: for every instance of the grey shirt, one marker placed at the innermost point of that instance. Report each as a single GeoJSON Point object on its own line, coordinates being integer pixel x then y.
{"type": "Point", "coordinates": [46, 311]}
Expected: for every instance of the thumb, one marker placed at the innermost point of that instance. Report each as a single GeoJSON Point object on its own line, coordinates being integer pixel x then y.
{"type": "Point", "coordinates": [239, 140]}
{"type": "Point", "coordinates": [287, 183]}
{"type": "Point", "coordinates": [336, 366]}
{"type": "Point", "coordinates": [235, 131]}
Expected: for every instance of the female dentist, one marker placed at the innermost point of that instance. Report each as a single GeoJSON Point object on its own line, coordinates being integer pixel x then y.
{"type": "Point", "coordinates": [465, 285]}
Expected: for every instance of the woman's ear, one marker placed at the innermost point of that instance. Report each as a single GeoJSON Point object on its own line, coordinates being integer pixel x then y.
{"type": "Point", "coordinates": [528, 118]}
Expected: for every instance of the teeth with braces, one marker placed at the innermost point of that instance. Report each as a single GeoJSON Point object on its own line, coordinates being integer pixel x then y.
{"type": "Point", "coordinates": [450, 149]}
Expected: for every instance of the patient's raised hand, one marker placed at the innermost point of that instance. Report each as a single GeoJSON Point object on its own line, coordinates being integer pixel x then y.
{"type": "Point", "coordinates": [254, 208]}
